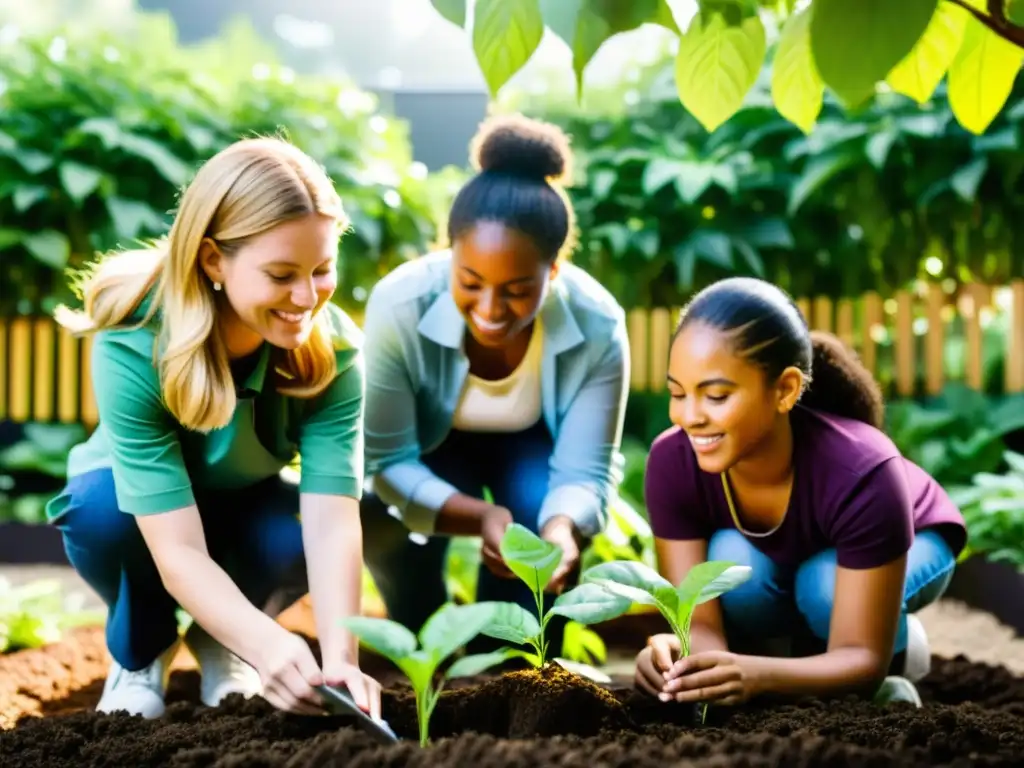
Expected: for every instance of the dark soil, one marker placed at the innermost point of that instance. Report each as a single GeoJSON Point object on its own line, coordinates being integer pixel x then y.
{"type": "Point", "coordinates": [974, 716]}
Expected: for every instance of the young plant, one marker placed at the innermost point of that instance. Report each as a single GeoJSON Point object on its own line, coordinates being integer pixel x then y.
{"type": "Point", "coordinates": [447, 630]}
{"type": "Point", "coordinates": [639, 583]}
{"type": "Point", "coordinates": [534, 561]}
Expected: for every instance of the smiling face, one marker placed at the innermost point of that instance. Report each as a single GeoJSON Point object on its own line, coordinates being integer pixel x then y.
{"type": "Point", "coordinates": [726, 404]}
{"type": "Point", "coordinates": [276, 283]}
{"type": "Point", "coordinates": [499, 282]}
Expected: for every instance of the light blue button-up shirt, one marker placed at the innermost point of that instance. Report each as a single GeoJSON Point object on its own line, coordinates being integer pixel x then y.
{"type": "Point", "coordinates": [416, 367]}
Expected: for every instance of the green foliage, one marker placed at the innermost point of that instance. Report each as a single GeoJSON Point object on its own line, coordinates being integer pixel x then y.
{"type": "Point", "coordinates": [639, 583]}
{"type": "Point", "coordinates": [534, 561]}
{"type": "Point", "coordinates": [871, 201]}
{"type": "Point", "coordinates": [852, 49]}
{"type": "Point", "coordinates": [445, 632]}
{"type": "Point", "coordinates": [35, 614]}
{"type": "Point", "coordinates": [993, 509]}
{"type": "Point", "coordinates": [99, 132]}
{"type": "Point", "coordinates": [956, 436]}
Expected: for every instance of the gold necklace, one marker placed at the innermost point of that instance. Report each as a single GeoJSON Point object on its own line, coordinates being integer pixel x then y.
{"type": "Point", "coordinates": [736, 517]}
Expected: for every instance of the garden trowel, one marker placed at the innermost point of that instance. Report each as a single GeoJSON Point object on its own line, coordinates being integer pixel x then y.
{"type": "Point", "coordinates": [341, 703]}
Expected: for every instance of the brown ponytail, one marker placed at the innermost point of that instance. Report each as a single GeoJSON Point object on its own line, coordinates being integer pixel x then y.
{"type": "Point", "coordinates": [840, 384]}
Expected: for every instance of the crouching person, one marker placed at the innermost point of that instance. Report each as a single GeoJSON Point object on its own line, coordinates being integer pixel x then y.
{"type": "Point", "coordinates": [217, 359]}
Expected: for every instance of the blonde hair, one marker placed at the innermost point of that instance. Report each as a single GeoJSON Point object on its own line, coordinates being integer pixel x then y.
{"type": "Point", "coordinates": [246, 189]}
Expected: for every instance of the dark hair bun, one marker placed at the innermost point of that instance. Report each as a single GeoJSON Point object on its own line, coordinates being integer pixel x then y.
{"type": "Point", "coordinates": [841, 384]}
{"type": "Point", "coordinates": [522, 146]}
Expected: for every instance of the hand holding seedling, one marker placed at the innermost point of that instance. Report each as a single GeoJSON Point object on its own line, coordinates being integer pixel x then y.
{"type": "Point", "coordinates": [718, 676]}
{"type": "Point", "coordinates": [561, 532]}
{"type": "Point", "coordinates": [496, 521]}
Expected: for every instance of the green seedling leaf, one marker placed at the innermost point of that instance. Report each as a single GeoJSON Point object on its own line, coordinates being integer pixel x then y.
{"type": "Point", "coordinates": [706, 581]}
{"type": "Point", "coordinates": [419, 666]}
{"type": "Point", "coordinates": [387, 638]}
{"type": "Point", "coordinates": [478, 662]}
{"type": "Point", "coordinates": [452, 626]}
{"type": "Point", "coordinates": [590, 604]}
{"type": "Point", "coordinates": [529, 557]}
{"type": "Point", "coordinates": [638, 583]}
{"type": "Point", "coordinates": [512, 623]}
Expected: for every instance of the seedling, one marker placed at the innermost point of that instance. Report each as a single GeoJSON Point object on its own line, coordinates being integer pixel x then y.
{"type": "Point", "coordinates": [447, 630]}
{"type": "Point", "coordinates": [534, 561]}
{"type": "Point", "coordinates": [639, 583]}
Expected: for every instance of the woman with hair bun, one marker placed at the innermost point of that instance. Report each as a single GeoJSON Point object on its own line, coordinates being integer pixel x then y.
{"type": "Point", "coordinates": [494, 366]}
{"type": "Point", "coordinates": [777, 461]}
{"type": "Point", "coordinates": [218, 358]}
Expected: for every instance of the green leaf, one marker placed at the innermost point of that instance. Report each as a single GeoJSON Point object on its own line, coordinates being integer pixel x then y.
{"type": "Point", "coordinates": [419, 666]}
{"type": "Point", "coordinates": [981, 76]}
{"type": "Point", "coordinates": [78, 180]}
{"type": "Point", "coordinates": [878, 147]}
{"type": "Point", "coordinates": [505, 35]}
{"type": "Point", "coordinates": [452, 10]}
{"type": "Point", "coordinates": [1015, 12]}
{"type": "Point", "coordinates": [717, 65]}
{"type": "Point", "coordinates": [966, 180]}
{"type": "Point", "coordinates": [771, 232]}
{"type": "Point", "coordinates": [560, 16]}
{"type": "Point", "coordinates": [797, 89]}
{"type": "Point", "coordinates": [131, 217]}
{"type": "Point", "coordinates": [452, 626]}
{"type": "Point", "coordinates": [706, 581]}
{"type": "Point", "coordinates": [477, 663]}
{"type": "Point", "coordinates": [590, 604]}
{"type": "Point", "coordinates": [50, 247]}
{"type": "Point", "coordinates": [919, 73]}
{"type": "Point", "coordinates": [512, 623]}
{"type": "Point", "coordinates": [856, 44]}
{"type": "Point", "coordinates": [529, 557]}
{"type": "Point", "coordinates": [817, 172]}
{"type": "Point", "coordinates": [636, 581]}
{"type": "Point", "coordinates": [28, 195]}
{"type": "Point", "coordinates": [386, 637]}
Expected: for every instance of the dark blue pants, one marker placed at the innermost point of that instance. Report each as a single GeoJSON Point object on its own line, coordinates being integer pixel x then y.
{"type": "Point", "coordinates": [254, 534]}
{"type": "Point", "coordinates": [410, 573]}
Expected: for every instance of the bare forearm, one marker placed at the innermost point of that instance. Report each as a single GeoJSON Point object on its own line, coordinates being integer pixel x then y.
{"type": "Point", "coordinates": [705, 638]}
{"type": "Point", "coordinates": [213, 600]}
{"type": "Point", "coordinates": [839, 671]}
{"type": "Point", "coordinates": [333, 542]}
{"type": "Point", "coordinates": [461, 515]}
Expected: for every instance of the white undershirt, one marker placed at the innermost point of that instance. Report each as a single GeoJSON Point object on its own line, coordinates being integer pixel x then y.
{"type": "Point", "coordinates": [511, 404]}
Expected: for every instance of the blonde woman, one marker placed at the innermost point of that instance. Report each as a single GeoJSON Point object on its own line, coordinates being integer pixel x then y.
{"type": "Point", "coordinates": [217, 359]}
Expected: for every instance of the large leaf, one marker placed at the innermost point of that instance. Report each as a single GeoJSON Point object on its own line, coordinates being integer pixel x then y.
{"type": "Point", "coordinates": [452, 626]}
{"type": "Point", "coordinates": [717, 65]}
{"type": "Point", "coordinates": [797, 88]}
{"type": "Point", "coordinates": [636, 582]}
{"type": "Point", "coordinates": [706, 581]}
{"type": "Point", "coordinates": [511, 622]}
{"type": "Point", "coordinates": [50, 247]}
{"type": "Point", "coordinates": [981, 76]}
{"type": "Point", "coordinates": [590, 604]}
{"type": "Point", "coordinates": [386, 637]}
{"type": "Point", "coordinates": [529, 557]}
{"type": "Point", "coordinates": [477, 663]}
{"type": "Point", "coordinates": [856, 44]}
{"type": "Point", "coordinates": [79, 180]}
{"type": "Point", "coordinates": [505, 35]}
{"type": "Point", "coordinates": [920, 71]}
{"type": "Point", "coordinates": [452, 10]}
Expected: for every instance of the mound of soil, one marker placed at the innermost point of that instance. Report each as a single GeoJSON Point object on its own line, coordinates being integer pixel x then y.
{"type": "Point", "coordinates": [974, 716]}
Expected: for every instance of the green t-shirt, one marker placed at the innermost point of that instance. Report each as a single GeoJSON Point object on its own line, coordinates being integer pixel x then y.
{"type": "Point", "coordinates": [158, 464]}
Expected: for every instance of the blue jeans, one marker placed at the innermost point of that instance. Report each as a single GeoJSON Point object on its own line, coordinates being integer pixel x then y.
{"type": "Point", "coordinates": [780, 603]}
{"type": "Point", "coordinates": [410, 574]}
{"type": "Point", "coordinates": [254, 534]}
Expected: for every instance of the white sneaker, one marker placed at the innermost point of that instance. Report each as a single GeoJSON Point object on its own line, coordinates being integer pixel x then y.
{"type": "Point", "coordinates": [223, 673]}
{"type": "Point", "coordinates": [139, 692]}
{"type": "Point", "coordinates": [895, 688]}
{"type": "Point", "coordinates": [919, 653]}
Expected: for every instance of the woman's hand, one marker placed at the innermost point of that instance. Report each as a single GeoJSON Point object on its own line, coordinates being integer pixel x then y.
{"type": "Point", "coordinates": [654, 662]}
{"type": "Point", "coordinates": [713, 676]}
{"type": "Point", "coordinates": [492, 528]}
{"type": "Point", "coordinates": [289, 674]}
{"type": "Point", "coordinates": [561, 531]}
{"type": "Point", "coordinates": [364, 689]}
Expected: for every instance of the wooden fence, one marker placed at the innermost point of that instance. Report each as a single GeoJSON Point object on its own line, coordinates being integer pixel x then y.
{"type": "Point", "coordinates": [44, 370]}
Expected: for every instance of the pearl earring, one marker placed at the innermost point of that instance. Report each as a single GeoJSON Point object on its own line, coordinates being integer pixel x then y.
{"type": "Point", "coordinates": [216, 286]}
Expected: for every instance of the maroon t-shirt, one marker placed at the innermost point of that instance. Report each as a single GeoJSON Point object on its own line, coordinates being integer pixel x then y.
{"type": "Point", "coordinates": [852, 490]}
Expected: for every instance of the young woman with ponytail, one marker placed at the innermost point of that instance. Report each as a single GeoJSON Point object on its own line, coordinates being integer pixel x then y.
{"type": "Point", "coordinates": [217, 359]}
{"type": "Point", "coordinates": [777, 461]}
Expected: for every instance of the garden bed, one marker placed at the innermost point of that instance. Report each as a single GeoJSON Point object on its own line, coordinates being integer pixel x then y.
{"type": "Point", "coordinates": [974, 715]}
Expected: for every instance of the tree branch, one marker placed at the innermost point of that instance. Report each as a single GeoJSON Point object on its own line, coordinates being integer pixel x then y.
{"type": "Point", "coordinates": [995, 20]}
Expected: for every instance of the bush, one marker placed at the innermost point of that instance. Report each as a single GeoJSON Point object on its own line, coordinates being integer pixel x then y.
{"type": "Point", "coordinates": [99, 132]}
